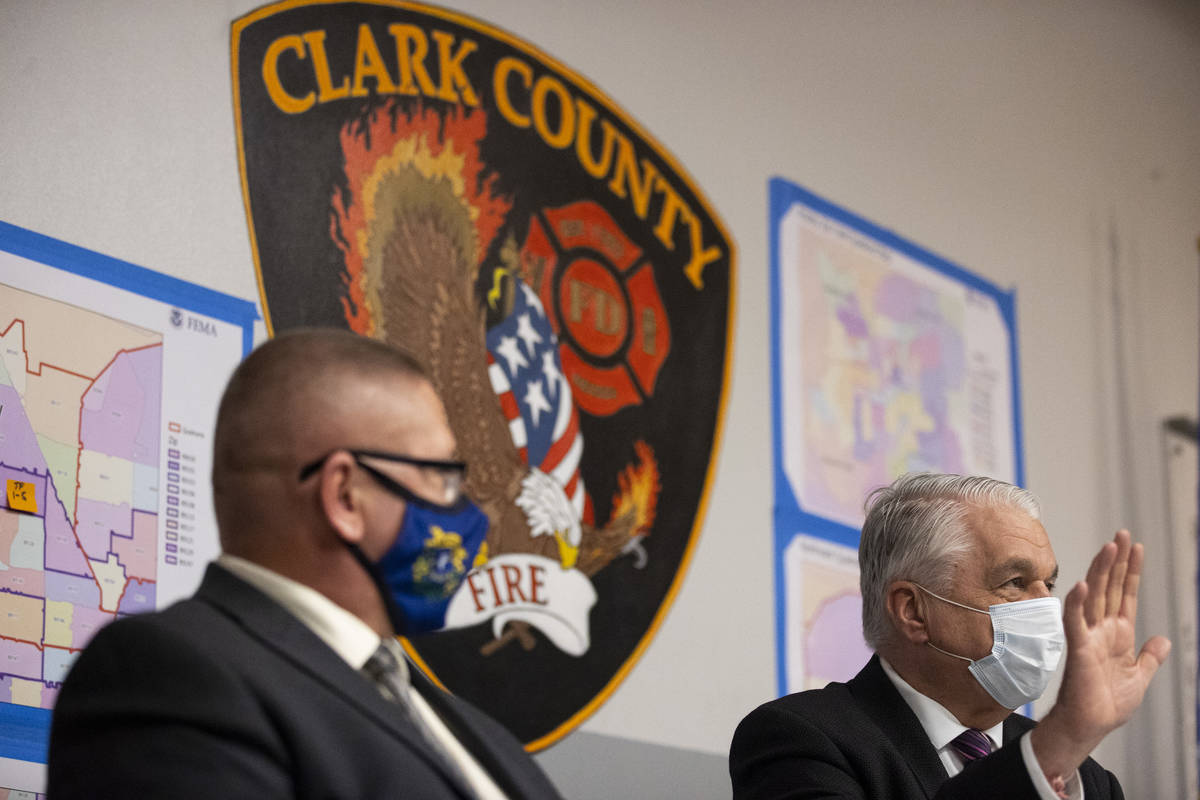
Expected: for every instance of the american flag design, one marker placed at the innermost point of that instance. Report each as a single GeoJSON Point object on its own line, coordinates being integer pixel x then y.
{"type": "Point", "coordinates": [526, 374]}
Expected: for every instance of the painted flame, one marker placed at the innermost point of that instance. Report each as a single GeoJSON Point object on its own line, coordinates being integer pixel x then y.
{"type": "Point", "coordinates": [638, 489]}
{"type": "Point", "coordinates": [440, 147]}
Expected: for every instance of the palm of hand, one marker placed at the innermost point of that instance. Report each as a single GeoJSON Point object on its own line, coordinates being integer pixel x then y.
{"type": "Point", "coordinates": [1105, 678]}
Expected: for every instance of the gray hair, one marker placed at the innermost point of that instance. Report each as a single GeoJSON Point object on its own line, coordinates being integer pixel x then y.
{"type": "Point", "coordinates": [915, 530]}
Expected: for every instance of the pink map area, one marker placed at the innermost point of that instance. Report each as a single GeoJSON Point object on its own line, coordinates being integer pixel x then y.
{"type": "Point", "coordinates": [137, 551]}
{"type": "Point", "coordinates": [21, 659]}
{"type": "Point", "coordinates": [834, 649]}
{"type": "Point", "coordinates": [84, 624]}
{"type": "Point", "coordinates": [16, 579]}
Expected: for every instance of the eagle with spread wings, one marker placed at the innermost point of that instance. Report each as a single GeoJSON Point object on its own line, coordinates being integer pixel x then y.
{"type": "Point", "coordinates": [414, 230]}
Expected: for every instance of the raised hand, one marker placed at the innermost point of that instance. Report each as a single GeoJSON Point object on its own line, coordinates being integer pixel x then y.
{"type": "Point", "coordinates": [1105, 677]}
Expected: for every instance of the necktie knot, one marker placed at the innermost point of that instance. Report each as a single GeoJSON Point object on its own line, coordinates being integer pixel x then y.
{"type": "Point", "coordinates": [385, 670]}
{"type": "Point", "coordinates": [971, 744]}
{"type": "Point", "coordinates": [391, 675]}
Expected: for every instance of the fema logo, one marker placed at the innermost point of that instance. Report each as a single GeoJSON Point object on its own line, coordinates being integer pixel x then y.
{"type": "Point", "coordinates": [176, 318]}
{"type": "Point", "coordinates": [568, 288]}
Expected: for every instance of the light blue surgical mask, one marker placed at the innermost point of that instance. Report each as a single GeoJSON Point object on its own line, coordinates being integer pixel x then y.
{"type": "Point", "coordinates": [1028, 642]}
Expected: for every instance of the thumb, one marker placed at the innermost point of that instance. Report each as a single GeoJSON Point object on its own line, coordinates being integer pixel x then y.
{"type": "Point", "coordinates": [1154, 653]}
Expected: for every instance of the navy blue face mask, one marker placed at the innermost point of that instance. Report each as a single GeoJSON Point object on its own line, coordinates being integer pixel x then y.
{"type": "Point", "coordinates": [434, 550]}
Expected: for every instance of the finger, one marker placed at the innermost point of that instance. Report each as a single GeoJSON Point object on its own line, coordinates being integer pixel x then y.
{"type": "Point", "coordinates": [1116, 576]}
{"type": "Point", "coordinates": [1097, 581]}
{"type": "Point", "coordinates": [1074, 624]}
{"type": "Point", "coordinates": [1133, 578]}
{"type": "Point", "coordinates": [1154, 653]}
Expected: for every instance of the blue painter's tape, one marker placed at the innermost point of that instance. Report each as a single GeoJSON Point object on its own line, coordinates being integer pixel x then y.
{"type": "Point", "coordinates": [139, 280]}
{"type": "Point", "coordinates": [24, 732]}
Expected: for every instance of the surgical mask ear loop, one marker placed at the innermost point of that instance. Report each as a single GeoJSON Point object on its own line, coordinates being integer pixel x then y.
{"type": "Point", "coordinates": [960, 605]}
{"type": "Point", "coordinates": [951, 602]}
{"type": "Point", "coordinates": [947, 652]}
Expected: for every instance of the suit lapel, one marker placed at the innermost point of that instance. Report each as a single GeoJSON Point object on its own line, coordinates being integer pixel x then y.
{"type": "Point", "coordinates": [880, 700]}
{"type": "Point", "coordinates": [286, 635]}
{"type": "Point", "coordinates": [482, 749]}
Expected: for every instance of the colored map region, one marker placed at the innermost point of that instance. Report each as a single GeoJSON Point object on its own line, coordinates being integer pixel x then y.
{"type": "Point", "coordinates": [893, 368]}
{"type": "Point", "coordinates": [824, 613]}
{"type": "Point", "coordinates": [80, 397]}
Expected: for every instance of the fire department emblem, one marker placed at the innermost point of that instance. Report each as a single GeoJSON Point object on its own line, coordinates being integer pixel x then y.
{"type": "Point", "coordinates": [421, 177]}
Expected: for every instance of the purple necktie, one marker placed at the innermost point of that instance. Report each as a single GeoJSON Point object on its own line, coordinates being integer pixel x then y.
{"type": "Point", "coordinates": [971, 744]}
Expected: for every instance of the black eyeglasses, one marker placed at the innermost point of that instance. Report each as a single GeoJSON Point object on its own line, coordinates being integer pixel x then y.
{"type": "Point", "coordinates": [447, 476]}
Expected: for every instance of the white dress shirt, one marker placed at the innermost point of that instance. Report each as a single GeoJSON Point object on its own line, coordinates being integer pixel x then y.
{"type": "Point", "coordinates": [354, 641]}
{"type": "Point", "coordinates": [942, 727]}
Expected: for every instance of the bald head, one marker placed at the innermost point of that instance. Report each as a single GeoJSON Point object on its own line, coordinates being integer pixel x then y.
{"type": "Point", "coordinates": [294, 399]}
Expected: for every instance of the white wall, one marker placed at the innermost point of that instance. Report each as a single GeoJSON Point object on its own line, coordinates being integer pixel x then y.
{"type": "Point", "coordinates": [1049, 146]}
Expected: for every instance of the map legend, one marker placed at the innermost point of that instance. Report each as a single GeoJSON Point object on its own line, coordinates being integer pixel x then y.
{"type": "Point", "coordinates": [179, 528]}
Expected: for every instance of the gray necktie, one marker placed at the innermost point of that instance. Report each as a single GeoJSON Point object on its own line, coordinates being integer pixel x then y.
{"type": "Point", "coordinates": [390, 676]}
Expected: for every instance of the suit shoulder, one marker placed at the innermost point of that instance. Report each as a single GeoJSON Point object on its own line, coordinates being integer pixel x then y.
{"type": "Point", "coordinates": [827, 710]}
{"type": "Point", "coordinates": [142, 647]}
{"type": "Point", "coordinates": [183, 620]}
{"type": "Point", "coordinates": [833, 698]}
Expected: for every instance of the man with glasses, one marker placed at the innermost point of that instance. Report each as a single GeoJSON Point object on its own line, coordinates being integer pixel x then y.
{"type": "Point", "coordinates": [343, 522]}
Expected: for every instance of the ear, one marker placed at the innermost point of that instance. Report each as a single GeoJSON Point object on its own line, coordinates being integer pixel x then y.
{"type": "Point", "coordinates": [340, 498]}
{"type": "Point", "coordinates": [907, 608]}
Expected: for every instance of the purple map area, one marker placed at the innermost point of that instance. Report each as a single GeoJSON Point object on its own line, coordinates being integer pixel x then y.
{"type": "Point", "coordinates": [833, 650]}
{"type": "Point", "coordinates": [138, 597]}
{"type": "Point", "coordinates": [72, 589]}
{"type": "Point", "coordinates": [121, 409]}
{"type": "Point", "coordinates": [96, 522]}
{"type": "Point", "coordinates": [62, 551]}
{"type": "Point", "coordinates": [21, 449]}
{"type": "Point", "coordinates": [899, 298]}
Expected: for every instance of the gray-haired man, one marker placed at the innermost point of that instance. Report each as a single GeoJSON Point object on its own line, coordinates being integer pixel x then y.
{"type": "Point", "coordinates": [957, 581]}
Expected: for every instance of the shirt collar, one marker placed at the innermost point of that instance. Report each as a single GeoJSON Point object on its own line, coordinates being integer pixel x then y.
{"type": "Point", "coordinates": [940, 725]}
{"type": "Point", "coordinates": [346, 634]}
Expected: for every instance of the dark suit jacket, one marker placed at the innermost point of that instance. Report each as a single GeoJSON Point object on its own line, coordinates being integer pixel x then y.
{"type": "Point", "coordinates": [229, 695]}
{"type": "Point", "coordinates": [861, 740]}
